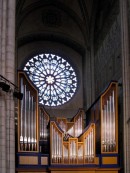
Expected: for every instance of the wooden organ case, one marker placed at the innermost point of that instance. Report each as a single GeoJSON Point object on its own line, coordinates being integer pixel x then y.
{"type": "Point", "coordinates": [59, 145]}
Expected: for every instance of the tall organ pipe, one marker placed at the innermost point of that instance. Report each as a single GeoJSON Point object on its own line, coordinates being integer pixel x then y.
{"type": "Point", "coordinates": [22, 112]}
{"type": "Point", "coordinates": [113, 112]}
{"type": "Point", "coordinates": [25, 114]}
{"type": "Point", "coordinates": [34, 129]}
{"type": "Point", "coordinates": [32, 122]}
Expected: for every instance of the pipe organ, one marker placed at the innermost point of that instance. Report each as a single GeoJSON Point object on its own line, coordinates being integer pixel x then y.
{"type": "Point", "coordinates": [28, 110]}
{"type": "Point", "coordinates": [75, 147]}
{"type": "Point", "coordinates": [60, 144]}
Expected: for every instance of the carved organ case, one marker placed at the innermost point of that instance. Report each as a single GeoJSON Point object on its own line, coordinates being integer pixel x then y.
{"type": "Point", "coordinates": [28, 115]}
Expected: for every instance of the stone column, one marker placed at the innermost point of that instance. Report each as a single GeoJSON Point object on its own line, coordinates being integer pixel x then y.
{"type": "Point", "coordinates": [7, 70]}
{"type": "Point", "coordinates": [126, 81]}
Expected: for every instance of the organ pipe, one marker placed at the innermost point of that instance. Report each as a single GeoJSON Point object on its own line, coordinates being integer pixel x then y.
{"type": "Point", "coordinates": [25, 118]}
{"type": "Point", "coordinates": [35, 140]}
{"type": "Point", "coordinates": [113, 121]}
{"type": "Point", "coordinates": [78, 126]}
{"type": "Point", "coordinates": [80, 153]}
{"type": "Point", "coordinates": [65, 152]}
{"type": "Point", "coordinates": [31, 121]}
{"type": "Point", "coordinates": [29, 125]}
{"type": "Point", "coordinates": [21, 117]}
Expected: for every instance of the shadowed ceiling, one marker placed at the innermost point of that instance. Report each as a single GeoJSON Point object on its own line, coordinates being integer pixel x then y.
{"type": "Point", "coordinates": [75, 23]}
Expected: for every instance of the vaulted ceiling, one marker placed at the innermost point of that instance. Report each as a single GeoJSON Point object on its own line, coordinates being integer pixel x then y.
{"type": "Point", "coordinates": [75, 23]}
{"type": "Point", "coordinates": [66, 21]}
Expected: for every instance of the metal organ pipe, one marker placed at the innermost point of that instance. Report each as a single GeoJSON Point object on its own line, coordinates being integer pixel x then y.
{"type": "Point", "coordinates": [107, 132]}
{"type": "Point", "coordinates": [91, 145]}
{"type": "Point", "coordinates": [80, 153]}
{"type": "Point", "coordinates": [110, 125]}
{"type": "Point", "coordinates": [25, 118]}
{"type": "Point", "coordinates": [32, 138]}
{"type": "Point", "coordinates": [65, 153]}
{"type": "Point", "coordinates": [78, 126]}
{"type": "Point", "coordinates": [56, 147]}
{"type": "Point", "coordinates": [34, 113]}
{"type": "Point", "coordinates": [29, 125]}
{"type": "Point", "coordinates": [72, 151]}
{"type": "Point", "coordinates": [45, 127]}
{"type": "Point", "coordinates": [88, 150]}
{"type": "Point", "coordinates": [52, 143]}
{"type": "Point", "coordinates": [113, 121]}
{"type": "Point", "coordinates": [41, 124]}
{"type": "Point", "coordinates": [105, 126]}
{"type": "Point", "coordinates": [21, 117]}
{"type": "Point", "coordinates": [81, 124]}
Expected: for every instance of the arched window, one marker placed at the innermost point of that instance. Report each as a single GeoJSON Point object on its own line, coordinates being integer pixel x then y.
{"type": "Point", "coordinates": [55, 78]}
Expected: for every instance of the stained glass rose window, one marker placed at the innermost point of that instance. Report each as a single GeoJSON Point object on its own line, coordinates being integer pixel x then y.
{"type": "Point", "coordinates": [54, 76]}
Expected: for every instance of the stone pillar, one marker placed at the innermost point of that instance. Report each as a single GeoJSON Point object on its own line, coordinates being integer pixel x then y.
{"type": "Point", "coordinates": [7, 70]}
{"type": "Point", "coordinates": [126, 81]}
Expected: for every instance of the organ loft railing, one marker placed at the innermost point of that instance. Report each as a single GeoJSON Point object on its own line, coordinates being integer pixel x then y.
{"type": "Point", "coordinates": [28, 115]}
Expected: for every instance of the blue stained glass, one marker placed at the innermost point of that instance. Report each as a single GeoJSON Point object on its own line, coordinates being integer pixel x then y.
{"type": "Point", "coordinates": [55, 78]}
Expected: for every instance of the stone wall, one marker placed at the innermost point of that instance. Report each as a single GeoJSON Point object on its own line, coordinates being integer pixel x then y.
{"type": "Point", "coordinates": [7, 70]}
{"type": "Point", "coordinates": [108, 58]}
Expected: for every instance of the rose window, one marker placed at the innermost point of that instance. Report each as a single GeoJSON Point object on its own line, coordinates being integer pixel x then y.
{"type": "Point", "coordinates": [54, 77]}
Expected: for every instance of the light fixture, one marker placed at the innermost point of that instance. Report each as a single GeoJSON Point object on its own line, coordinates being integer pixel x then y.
{"type": "Point", "coordinates": [18, 95]}
{"type": "Point", "coordinates": [10, 87]}
{"type": "Point", "coordinates": [5, 87]}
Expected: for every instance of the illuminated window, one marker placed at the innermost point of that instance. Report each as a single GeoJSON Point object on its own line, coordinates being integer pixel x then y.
{"type": "Point", "coordinates": [55, 78]}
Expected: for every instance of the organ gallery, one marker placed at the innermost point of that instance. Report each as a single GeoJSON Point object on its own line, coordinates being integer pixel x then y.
{"type": "Point", "coordinates": [89, 141]}
{"type": "Point", "coordinates": [64, 86]}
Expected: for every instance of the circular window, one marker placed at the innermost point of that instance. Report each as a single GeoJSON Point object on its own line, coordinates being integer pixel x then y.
{"type": "Point", "coordinates": [55, 78]}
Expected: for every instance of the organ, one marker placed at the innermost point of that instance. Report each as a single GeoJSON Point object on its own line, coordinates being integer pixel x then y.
{"type": "Point", "coordinates": [58, 145]}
